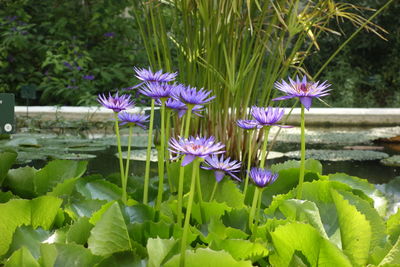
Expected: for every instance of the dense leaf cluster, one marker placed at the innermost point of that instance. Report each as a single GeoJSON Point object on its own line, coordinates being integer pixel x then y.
{"type": "Point", "coordinates": [56, 216]}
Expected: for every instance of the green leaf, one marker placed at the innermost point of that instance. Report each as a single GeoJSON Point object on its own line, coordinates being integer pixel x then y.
{"type": "Point", "coordinates": [6, 196]}
{"type": "Point", "coordinates": [303, 211]}
{"type": "Point", "coordinates": [310, 164]}
{"type": "Point", "coordinates": [21, 258]}
{"type": "Point", "coordinates": [242, 249]}
{"type": "Point", "coordinates": [380, 202]}
{"type": "Point", "coordinates": [7, 159]}
{"type": "Point", "coordinates": [139, 213]}
{"type": "Point", "coordinates": [158, 249]}
{"type": "Point", "coordinates": [64, 188]}
{"type": "Point", "coordinates": [110, 233]}
{"type": "Point", "coordinates": [98, 189]}
{"type": "Point", "coordinates": [211, 210]}
{"type": "Point", "coordinates": [393, 257]}
{"type": "Point", "coordinates": [79, 232]}
{"type": "Point", "coordinates": [318, 251]}
{"type": "Point", "coordinates": [355, 230]}
{"type": "Point", "coordinates": [26, 236]}
{"type": "Point", "coordinates": [205, 257]}
{"type": "Point", "coordinates": [71, 255]}
{"type": "Point", "coordinates": [123, 259]}
{"type": "Point", "coordinates": [44, 210]}
{"type": "Point", "coordinates": [141, 232]}
{"type": "Point", "coordinates": [20, 181]}
{"type": "Point", "coordinates": [84, 208]}
{"type": "Point", "coordinates": [56, 172]}
{"type": "Point", "coordinates": [229, 192]}
{"type": "Point", "coordinates": [393, 226]}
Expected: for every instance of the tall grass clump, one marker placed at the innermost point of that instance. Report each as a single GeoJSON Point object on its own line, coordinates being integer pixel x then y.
{"type": "Point", "coordinates": [238, 49]}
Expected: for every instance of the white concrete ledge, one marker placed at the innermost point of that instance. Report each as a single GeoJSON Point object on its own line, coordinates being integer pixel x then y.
{"type": "Point", "coordinates": [348, 116]}
{"type": "Point", "coordinates": [316, 116]}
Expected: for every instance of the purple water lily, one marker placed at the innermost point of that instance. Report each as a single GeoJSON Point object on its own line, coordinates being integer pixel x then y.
{"type": "Point", "coordinates": [181, 107]}
{"type": "Point", "coordinates": [193, 96]}
{"type": "Point", "coordinates": [193, 147]}
{"type": "Point", "coordinates": [132, 119]}
{"type": "Point", "coordinates": [303, 89]}
{"type": "Point", "coordinates": [247, 124]}
{"type": "Point", "coordinates": [267, 116]}
{"type": "Point", "coordinates": [158, 90]}
{"type": "Point", "coordinates": [262, 177]}
{"type": "Point", "coordinates": [146, 75]}
{"type": "Point", "coordinates": [222, 166]}
{"type": "Point", "coordinates": [116, 103]}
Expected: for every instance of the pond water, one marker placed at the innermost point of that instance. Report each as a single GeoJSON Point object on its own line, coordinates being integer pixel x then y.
{"type": "Point", "coordinates": [322, 144]}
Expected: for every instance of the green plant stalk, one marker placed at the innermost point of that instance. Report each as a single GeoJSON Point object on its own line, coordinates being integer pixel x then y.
{"type": "Point", "coordinates": [213, 191]}
{"type": "Point", "coordinates": [121, 164]}
{"type": "Point", "coordinates": [188, 212]}
{"type": "Point", "coordinates": [264, 148]}
{"type": "Point", "coordinates": [255, 226]}
{"type": "Point", "coordinates": [246, 183]}
{"type": "Point", "coordinates": [128, 158]}
{"type": "Point", "coordinates": [182, 169]}
{"type": "Point", "coordinates": [161, 161]}
{"type": "Point", "coordinates": [149, 142]}
{"type": "Point", "coordinates": [302, 155]}
{"type": "Point", "coordinates": [200, 195]}
{"type": "Point", "coordinates": [253, 207]}
{"type": "Point", "coordinates": [167, 155]}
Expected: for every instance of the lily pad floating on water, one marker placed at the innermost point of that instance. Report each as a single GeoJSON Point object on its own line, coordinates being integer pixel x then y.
{"type": "Point", "coordinates": [339, 155]}
{"type": "Point", "coordinates": [140, 155]}
{"type": "Point", "coordinates": [393, 161]}
{"type": "Point", "coordinates": [72, 156]}
{"type": "Point", "coordinates": [139, 141]}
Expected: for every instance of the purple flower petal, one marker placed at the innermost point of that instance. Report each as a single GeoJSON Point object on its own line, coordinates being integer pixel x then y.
{"type": "Point", "coordinates": [306, 101]}
{"type": "Point", "coordinates": [188, 159]}
{"type": "Point", "coordinates": [219, 175]}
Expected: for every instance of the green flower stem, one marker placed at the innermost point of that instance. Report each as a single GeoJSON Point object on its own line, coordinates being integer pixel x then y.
{"type": "Point", "coordinates": [124, 186]}
{"type": "Point", "coordinates": [258, 210]}
{"type": "Point", "coordinates": [167, 155]}
{"type": "Point", "coordinates": [121, 164]}
{"type": "Point", "coordinates": [200, 194]}
{"type": "Point", "coordinates": [302, 155]}
{"type": "Point", "coordinates": [253, 207]}
{"type": "Point", "coordinates": [161, 161]}
{"type": "Point", "coordinates": [188, 212]}
{"type": "Point", "coordinates": [182, 170]}
{"type": "Point", "coordinates": [264, 148]}
{"type": "Point", "coordinates": [149, 143]}
{"type": "Point", "coordinates": [214, 191]}
{"type": "Point", "coordinates": [246, 183]}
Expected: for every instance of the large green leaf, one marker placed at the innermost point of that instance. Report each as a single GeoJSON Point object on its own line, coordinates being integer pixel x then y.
{"type": "Point", "coordinates": [110, 233]}
{"type": "Point", "coordinates": [39, 212]}
{"type": "Point", "coordinates": [393, 257]}
{"type": "Point", "coordinates": [242, 249]}
{"type": "Point", "coordinates": [141, 232]}
{"type": "Point", "coordinates": [355, 230]}
{"type": "Point", "coordinates": [71, 255]}
{"type": "Point", "coordinates": [21, 258]}
{"type": "Point", "coordinates": [393, 226]}
{"type": "Point", "coordinates": [318, 251]}
{"type": "Point", "coordinates": [123, 259]}
{"type": "Point", "coordinates": [303, 211]}
{"type": "Point", "coordinates": [7, 159]}
{"type": "Point", "coordinates": [79, 232]}
{"type": "Point", "coordinates": [159, 249]}
{"type": "Point", "coordinates": [204, 257]}
{"type": "Point", "coordinates": [26, 236]}
{"type": "Point", "coordinates": [56, 172]}
{"type": "Point", "coordinates": [21, 181]}
{"type": "Point", "coordinates": [98, 189]}
{"type": "Point", "coordinates": [210, 209]}
{"type": "Point", "coordinates": [83, 208]}
{"type": "Point", "coordinates": [380, 202]}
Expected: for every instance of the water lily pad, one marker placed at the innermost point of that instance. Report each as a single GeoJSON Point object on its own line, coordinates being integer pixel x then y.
{"type": "Point", "coordinates": [139, 141]}
{"type": "Point", "coordinates": [274, 154]}
{"type": "Point", "coordinates": [22, 141]}
{"type": "Point", "coordinates": [334, 136]}
{"type": "Point", "coordinates": [140, 155]}
{"type": "Point", "coordinates": [339, 155]}
{"type": "Point", "coordinates": [393, 161]}
{"type": "Point", "coordinates": [72, 156]}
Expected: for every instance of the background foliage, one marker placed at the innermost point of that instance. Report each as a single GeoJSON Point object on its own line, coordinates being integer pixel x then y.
{"type": "Point", "coordinates": [73, 50]}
